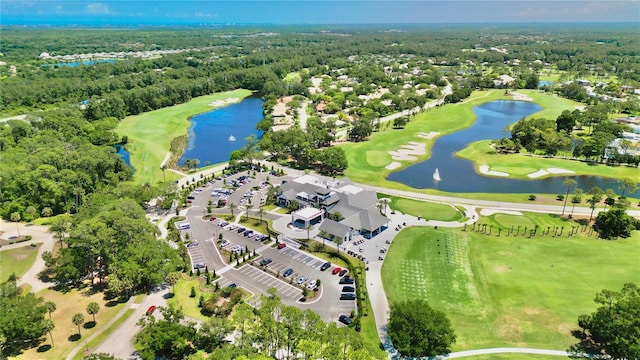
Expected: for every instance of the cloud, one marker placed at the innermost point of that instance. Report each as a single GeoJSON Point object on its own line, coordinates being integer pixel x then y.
{"type": "Point", "coordinates": [97, 8]}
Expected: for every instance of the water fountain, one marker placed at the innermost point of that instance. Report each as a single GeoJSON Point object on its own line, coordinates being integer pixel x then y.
{"type": "Point", "coordinates": [436, 175]}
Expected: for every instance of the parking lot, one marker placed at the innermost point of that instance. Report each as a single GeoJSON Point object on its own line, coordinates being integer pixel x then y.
{"type": "Point", "coordinates": [196, 253]}
{"type": "Point", "coordinates": [254, 279]}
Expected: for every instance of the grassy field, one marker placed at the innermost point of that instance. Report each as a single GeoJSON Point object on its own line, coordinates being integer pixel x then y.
{"type": "Point", "coordinates": [17, 261]}
{"type": "Point", "coordinates": [65, 332]}
{"type": "Point", "coordinates": [181, 299]}
{"type": "Point", "coordinates": [508, 291]}
{"type": "Point", "coordinates": [150, 134]}
{"type": "Point", "coordinates": [425, 209]}
{"type": "Point", "coordinates": [516, 357]}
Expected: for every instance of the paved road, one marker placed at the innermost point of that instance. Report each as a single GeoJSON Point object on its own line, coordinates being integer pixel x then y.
{"type": "Point", "coordinates": [120, 341]}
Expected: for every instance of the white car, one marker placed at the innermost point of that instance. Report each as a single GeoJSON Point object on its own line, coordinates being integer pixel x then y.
{"type": "Point", "coordinates": [311, 284]}
{"type": "Point", "coordinates": [225, 243]}
{"type": "Point", "coordinates": [302, 279]}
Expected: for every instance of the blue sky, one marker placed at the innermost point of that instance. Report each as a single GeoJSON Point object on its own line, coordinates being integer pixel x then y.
{"type": "Point", "coordinates": [123, 12]}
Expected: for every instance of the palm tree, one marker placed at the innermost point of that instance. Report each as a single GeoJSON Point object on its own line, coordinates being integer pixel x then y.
{"type": "Point", "coordinates": [249, 207]}
{"type": "Point", "coordinates": [261, 212]}
{"type": "Point", "coordinates": [47, 326]}
{"type": "Point", "coordinates": [610, 198]}
{"type": "Point", "coordinates": [308, 227]}
{"type": "Point", "coordinates": [163, 168]}
{"type": "Point", "coordinates": [92, 309]}
{"type": "Point", "coordinates": [570, 183]}
{"type": "Point", "coordinates": [596, 197]}
{"type": "Point", "coordinates": [576, 199]}
{"type": "Point", "coordinates": [232, 207]}
{"type": "Point", "coordinates": [60, 227]}
{"type": "Point", "coordinates": [172, 279]}
{"type": "Point", "coordinates": [628, 185]}
{"type": "Point", "coordinates": [77, 319]}
{"type": "Point", "coordinates": [15, 217]}
{"type": "Point", "coordinates": [324, 235]}
{"type": "Point", "coordinates": [51, 307]}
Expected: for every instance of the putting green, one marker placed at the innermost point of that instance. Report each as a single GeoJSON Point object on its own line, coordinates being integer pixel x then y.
{"type": "Point", "coordinates": [508, 291]}
{"type": "Point", "coordinates": [378, 158]}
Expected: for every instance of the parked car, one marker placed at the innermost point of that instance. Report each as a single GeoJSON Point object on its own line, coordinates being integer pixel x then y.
{"type": "Point", "coordinates": [198, 265]}
{"type": "Point", "coordinates": [265, 261]}
{"type": "Point", "coordinates": [213, 218]}
{"type": "Point", "coordinates": [241, 230]}
{"type": "Point", "coordinates": [311, 284]}
{"type": "Point", "coordinates": [345, 319]}
{"type": "Point", "coordinates": [232, 286]}
{"type": "Point", "coordinates": [325, 266]}
{"type": "Point", "coordinates": [192, 244]}
{"type": "Point", "coordinates": [287, 272]}
{"type": "Point", "coordinates": [346, 280]}
{"type": "Point", "coordinates": [302, 279]}
{"type": "Point", "coordinates": [336, 271]}
{"type": "Point", "coordinates": [225, 243]}
{"type": "Point", "coordinates": [151, 309]}
{"type": "Point", "coordinates": [282, 246]}
{"type": "Point", "coordinates": [342, 272]}
{"type": "Point", "coordinates": [347, 296]}
{"type": "Point", "coordinates": [348, 289]}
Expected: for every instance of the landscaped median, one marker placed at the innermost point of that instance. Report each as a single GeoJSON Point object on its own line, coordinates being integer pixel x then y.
{"type": "Point", "coordinates": [150, 134]}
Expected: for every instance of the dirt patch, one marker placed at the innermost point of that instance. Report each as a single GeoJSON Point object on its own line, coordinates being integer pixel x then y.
{"type": "Point", "coordinates": [509, 329]}
{"type": "Point", "coordinates": [532, 311]}
{"type": "Point", "coordinates": [501, 269]}
{"type": "Point", "coordinates": [566, 328]}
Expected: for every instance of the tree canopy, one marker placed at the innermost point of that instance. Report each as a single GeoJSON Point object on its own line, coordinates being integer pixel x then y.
{"type": "Point", "coordinates": [614, 328]}
{"type": "Point", "coordinates": [615, 223]}
{"type": "Point", "coordinates": [416, 329]}
{"type": "Point", "coordinates": [22, 323]}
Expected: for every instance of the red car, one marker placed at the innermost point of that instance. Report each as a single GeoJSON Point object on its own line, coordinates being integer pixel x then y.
{"type": "Point", "coordinates": [282, 246]}
{"type": "Point", "coordinates": [213, 218]}
{"type": "Point", "coordinates": [336, 271]}
{"type": "Point", "coordinates": [151, 309]}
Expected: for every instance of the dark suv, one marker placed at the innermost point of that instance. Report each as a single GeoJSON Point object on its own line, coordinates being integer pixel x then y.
{"type": "Point", "coordinates": [345, 319]}
{"type": "Point", "coordinates": [346, 280]}
{"type": "Point", "coordinates": [265, 262]}
{"type": "Point", "coordinates": [347, 296]}
{"type": "Point", "coordinates": [325, 266]}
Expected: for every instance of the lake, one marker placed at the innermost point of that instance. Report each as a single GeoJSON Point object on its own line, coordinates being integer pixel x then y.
{"type": "Point", "coordinates": [459, 175]}
{"type": "Point", "coordinates": [210, 132]}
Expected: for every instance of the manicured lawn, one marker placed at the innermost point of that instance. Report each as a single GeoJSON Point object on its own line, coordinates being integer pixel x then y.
{"type": "Point", "coordinates": [508, 291]}
{"type": "Point", "coordinates": [150, 134]}
{"type": "Point", "coordinates": [516, 357]}
{"type": "Point", "coordinates": [426, 210]}
{"type": "Point", "coordinates": [17, 261]}
{"type": "Point", "coordinates": [67, 304]}
{"type": "Point", "coordinates": [181, 299]}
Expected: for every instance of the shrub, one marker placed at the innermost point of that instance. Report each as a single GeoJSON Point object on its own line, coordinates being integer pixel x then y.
{"type": "Point", "coordinates": [532, 197]}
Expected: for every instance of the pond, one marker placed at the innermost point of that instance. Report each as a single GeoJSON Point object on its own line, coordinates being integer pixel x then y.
{"type": "Point", "coordinates": [459, 175]}
{"type": "Point", "coordinates": [215, 134]}
{"type": "Point", "coordinates": [124, 154]}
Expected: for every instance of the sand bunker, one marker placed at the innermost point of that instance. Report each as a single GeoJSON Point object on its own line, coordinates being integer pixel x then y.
{"type": "Point", "coordinates": [223, 102]}
{"type": "Point", "coordinates": [488, 212]}
{"type": "Point", "coordinates": [519, 96]}
{"type": "Point", "coordinates": [429, 135]}
{"type": "Point", "coordinates": [484, 169]}
{"type": "Point", "coordinates": [408, 152]}
{"type": "Point", "coordinates": [543, 172]}
{"type": "Point", "coordinates": [393, 165]}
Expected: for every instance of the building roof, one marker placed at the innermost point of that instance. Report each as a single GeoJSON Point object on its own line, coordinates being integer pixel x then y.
{"type": "Point", "coordinates": [334, 228]}
{"type": "Point", "coordinates": [308, 212]}
{"type": "Point", "coordinates": [370, 219]}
